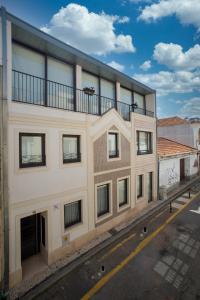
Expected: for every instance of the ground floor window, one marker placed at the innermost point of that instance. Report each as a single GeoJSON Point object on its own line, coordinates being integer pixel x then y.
{"type": "Point", "coordinates": [123, 191]}
{"type": "Point", "coordinates": [72, 213]}
{"type": "Point", "coordinates": [103, 206]}
{"type": "Point", "coordinates": [139, 186]}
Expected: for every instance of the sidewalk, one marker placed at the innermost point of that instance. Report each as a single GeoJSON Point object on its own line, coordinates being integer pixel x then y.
{"type": "Point", "coordinates": [50, 274]}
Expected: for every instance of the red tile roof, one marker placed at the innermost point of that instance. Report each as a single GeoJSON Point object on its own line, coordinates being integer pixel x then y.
{"type": "Point", "coordinates": [171, 121]}
{"type": "Point", "coordinates": [167, 147]}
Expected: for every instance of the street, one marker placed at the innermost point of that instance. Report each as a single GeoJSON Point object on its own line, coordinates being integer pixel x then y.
{"type": "Point", "coordinates": [159, 259]}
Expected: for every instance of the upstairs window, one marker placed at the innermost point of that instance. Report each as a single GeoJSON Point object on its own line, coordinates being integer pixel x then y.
{"type": "Point", "coordinates": [71, 149]}
{"type": "Point", "coordinates": [139, 101]}
{"type": "Point", "coordinates": [31, 150]}
{"type": "Point", "coordinates": [144, 142]}
{"type": "Point", "coordinates": [113, 145]}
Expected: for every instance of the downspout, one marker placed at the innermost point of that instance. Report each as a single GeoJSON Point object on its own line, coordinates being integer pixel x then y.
{"type": "Point", "coordinates": [4, 158]}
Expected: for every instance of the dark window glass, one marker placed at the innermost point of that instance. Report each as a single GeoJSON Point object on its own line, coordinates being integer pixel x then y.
{"type": "Point", "coordinates": [113, 145]}
{"type": "Point", "coordinates": [31, 150]}
{"type": "Point", "coordinates": [71, 148]}
{"type": "Point", "coordinates": [144, 142]}
{"type": "Point", "coordinates": [123, 191]}
{"type": "Point", "coordinates": [102, 199]}
{"type": "Point", "coordinates": [139, 186]}
{"type": "Point", "coordinates": [72, 213]}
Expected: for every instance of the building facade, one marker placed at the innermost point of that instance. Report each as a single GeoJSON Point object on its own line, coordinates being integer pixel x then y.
{"type": "Point", "coordinates": [81, 146]}
{"type": "Point", "coordinates": [177, 162]}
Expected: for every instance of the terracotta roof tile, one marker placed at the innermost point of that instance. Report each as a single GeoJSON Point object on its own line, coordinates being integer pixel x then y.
{"type": "Point", "coordinates": [171, 121]}
{"type": "Point", "coordinates": [167, 147]}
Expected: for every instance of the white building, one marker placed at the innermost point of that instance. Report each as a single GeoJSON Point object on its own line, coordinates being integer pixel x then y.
{"type": "Point", "coordinates": [177, 162]}
{"type": "Point", "coordinates": [78, 163]}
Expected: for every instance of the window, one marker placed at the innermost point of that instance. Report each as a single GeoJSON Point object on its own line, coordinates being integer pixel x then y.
{"type": "Point", "coordinates": [150, 186]}
{"type": "Point", "coordinates": [144, 142]}
{"type": "Point", "coordinates": [113, 145]}
{"type": "Point", "coordinates": [102, 199]}
{"type": "Point", "coordinates": [31, 150]}
{"type": "Point", "coordinates": [139, 186]}
{"type": "Point", "coordinates": [123, 192]}
{"type": "Point", "coordinates": [72, 213]}
{"type": "Point", "coordinates": [71, 148]}
{"type": "Point", "coordinates": [139, 100]}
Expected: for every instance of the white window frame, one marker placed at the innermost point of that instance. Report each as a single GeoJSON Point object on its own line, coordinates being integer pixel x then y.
{"type": "Point", "coordinates": [110, 213]}
{"type": "Point", "coordinates": [125, 206]}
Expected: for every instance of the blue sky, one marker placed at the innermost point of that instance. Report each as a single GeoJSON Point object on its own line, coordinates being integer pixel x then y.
{"type": "Point", "coordinates": [154, 41]}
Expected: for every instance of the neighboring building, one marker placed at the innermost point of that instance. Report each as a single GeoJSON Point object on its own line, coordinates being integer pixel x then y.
{"type": "Point", "coordinates": [177, 162]}
{"type": "Point", "coordinates": [195, 124]}
{"type": "Point", "coordinates": [184, 131]}
{"type": "Point", "coordinates": [176, 129]}
{"type": "Point", "coordinates": [78, 163]}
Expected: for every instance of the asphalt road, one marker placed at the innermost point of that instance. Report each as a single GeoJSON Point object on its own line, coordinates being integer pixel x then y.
{"type": "Point", "coordinates": [158, 260]}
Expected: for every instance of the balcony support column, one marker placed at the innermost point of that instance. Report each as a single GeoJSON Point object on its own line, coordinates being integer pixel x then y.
{"type": "Point", "coordinates": [117, 93]}
{"type": "Point", "coordinates": [77, 85]}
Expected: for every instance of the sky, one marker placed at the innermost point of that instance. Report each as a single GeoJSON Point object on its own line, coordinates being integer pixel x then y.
{"type": "Point", "coordinates": [154, 41]}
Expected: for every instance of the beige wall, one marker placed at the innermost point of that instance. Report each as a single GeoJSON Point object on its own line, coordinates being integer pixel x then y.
{"type": "Point", "coordinates": [112, 177]}
{"type": "Point", "coordinates": [101, 160]}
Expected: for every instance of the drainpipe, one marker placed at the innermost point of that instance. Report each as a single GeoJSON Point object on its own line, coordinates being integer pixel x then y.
{"type": "Point", "coordinates": [4, 159]}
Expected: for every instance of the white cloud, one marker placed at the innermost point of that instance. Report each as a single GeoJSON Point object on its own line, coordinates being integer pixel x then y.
{"type": "Point", "coordinates": [88, 31]}
{"type": "Point", "coordinates": [173, 57]}
{"type": "Point", "coordinates": [116, 66]}
{"type": "Point", "coordinates": [191, 108]}
{"type": "Point", "coordinates": [146, 65]}
{"type": "Point", "coordinates": [187, 11]}
{"type": "Point", "coordinates": [171, 82]}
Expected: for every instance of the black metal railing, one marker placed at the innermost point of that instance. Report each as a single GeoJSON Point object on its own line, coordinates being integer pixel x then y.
{"type": "Point", "coordinates": [32, 89]}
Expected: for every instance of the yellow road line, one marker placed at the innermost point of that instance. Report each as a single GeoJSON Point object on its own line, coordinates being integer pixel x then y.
{"type": "Point", "coordinates": [138, 249]}
{"type": "Point", "coordinates": [158, 215]}
{"type": "Point", "coordinates": [117, 246]}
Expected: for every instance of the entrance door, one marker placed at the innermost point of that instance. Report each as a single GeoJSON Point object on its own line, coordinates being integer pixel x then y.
{"type": "Point", "coordinates": [30, 236]}
{"type": "Point", "coordinates": [182, 169]}
{"type": "Point", "coordinates": [150, 186]}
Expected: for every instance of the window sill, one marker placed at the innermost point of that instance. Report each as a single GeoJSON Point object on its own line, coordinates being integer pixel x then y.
{"type": "Point", "coordinates": [123, 207]}
{"type": "Point", "coordinates": [103, 217]}
{"type": "Point", "coordinates": [72, 227]}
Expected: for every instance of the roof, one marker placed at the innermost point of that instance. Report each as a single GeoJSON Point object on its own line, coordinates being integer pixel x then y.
{"type": "Point", "coordinates": [31, 36]}
{"type": "Point", "coordinates": [171, 121]}
{"type": "Point", "coordinates": [167, 147]}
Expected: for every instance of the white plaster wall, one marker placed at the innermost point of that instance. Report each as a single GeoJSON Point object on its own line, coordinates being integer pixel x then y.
{"type": "Point", "coordinates": [169, 172]}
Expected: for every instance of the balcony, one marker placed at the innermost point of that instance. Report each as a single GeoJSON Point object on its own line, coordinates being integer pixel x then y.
{"type": "Point", "coordinates": [39, 91]}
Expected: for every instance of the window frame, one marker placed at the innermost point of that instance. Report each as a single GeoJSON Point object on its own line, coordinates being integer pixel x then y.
{"type": "Point", "coordinates": [99, 215]}
{"type": "Point", "coordinates": [116, 134]}
{"type": "Point", "coordinates": [79, 221]}
{"type": "Point", "coordinates": [126, 204]}
{"type": "Point", "coordinates": [139, 196]}
{"type": "Point", "coordinates": [78, 159]}
{"type": "Point", "coordinates": [150, 146]}
{"type": "Point", "coordinates": [43, 150]}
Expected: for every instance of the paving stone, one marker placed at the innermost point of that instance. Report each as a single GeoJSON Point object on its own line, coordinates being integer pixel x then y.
{"type": "Point", "coordinates": [197, 245]}
{"type": "Point", "coordinates": [187, 249]}
{"type": "Point", "coordinates": [178, 244]}
{"type": "Point", "coordinates": [191, 242]}
{"type": "Point", "coordinates": [178, 281]}
{"type": "Point", "coordinates": [184, 237]}
{"type": "Point", "coordinates": [176, 205]}
{"type": "Point", "coordinates": [168, 259]}
{"type": "Point", "coordinates": [170, 276]}
{"type": "Point", "coordinates": [161, 268]}
{"type": "Point", "coordinates": [184, 269]}
{"type": "Point", "coordinates": [177, 264]}
{"type": "Point", "coordinates": [193, 253]}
